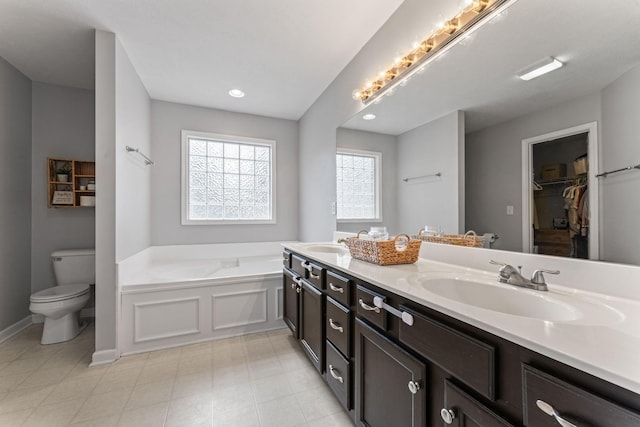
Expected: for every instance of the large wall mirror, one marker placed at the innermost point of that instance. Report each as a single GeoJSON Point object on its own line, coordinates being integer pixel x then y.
{"type": "Point", "coordinates": [460, 140]}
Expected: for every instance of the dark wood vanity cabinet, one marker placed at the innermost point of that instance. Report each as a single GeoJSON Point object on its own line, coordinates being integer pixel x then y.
{"type": "Point", "coordinates": [434, 370]}
{"type": "Point", "coordinates": [390, 382]}
{"type": "Point", "coordinates": [290, 300]}
{"type": "Point", "coordinates": [312, 323]}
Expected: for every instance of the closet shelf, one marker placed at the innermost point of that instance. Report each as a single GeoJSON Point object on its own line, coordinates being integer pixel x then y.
{"type": "Point", "coordinates": [565, 180]}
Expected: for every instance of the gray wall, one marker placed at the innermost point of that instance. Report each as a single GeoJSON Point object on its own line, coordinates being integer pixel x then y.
{"type": "Point", "coordinates": [167, 121]}
{"type": "Point", "coordinates": [133, 177]}
{"type": "Point", "coordinates": [15, 192]}
{"type": "Point", "coordinates": [437, 146]}
{"type": "Point", "coordinates": [494, 167]}
{"type": "Point", "coordinates": [62, 126]}
{"type": "Point", "coordinates": [335, 106]}
{"type": "Point", "coordinates": [620, 147]}
{"type": "Point", "coordinates": [105, 291]}
{"type": "Point", "coordinates": [388, 146]}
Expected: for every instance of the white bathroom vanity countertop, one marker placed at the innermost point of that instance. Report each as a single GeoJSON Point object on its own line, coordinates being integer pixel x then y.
{"type": "Point", "coordinates": [604, 343]}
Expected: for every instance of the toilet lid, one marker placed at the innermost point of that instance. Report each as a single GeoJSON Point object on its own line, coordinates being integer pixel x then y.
{"type": "Point", "coordinates": [59, 293]}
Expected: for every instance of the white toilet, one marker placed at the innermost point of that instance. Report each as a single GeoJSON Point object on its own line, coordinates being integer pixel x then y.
{"type": "Point", "coordinates": [75, 270]}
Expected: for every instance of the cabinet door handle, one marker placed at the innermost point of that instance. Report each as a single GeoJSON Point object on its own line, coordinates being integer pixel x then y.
{"type": "Point", "coordinates": [414, 386]}
{"type": "Point", "coordinates": [368, 307]}
{"type": "Point", "coordinates": [335, 288]}
{"type": "Point", "coordinates": [336, 326]}
{"type": "Point", "coordinates": [312, 275]}
{"type": "Point", "coordinates": [334, 375]}
{"type": "Point", "coordinates": [550, 410]}
{"type": "Point", "coordinates": [306, 265]}
{"type": "Point", "coordinates": [447, 415]}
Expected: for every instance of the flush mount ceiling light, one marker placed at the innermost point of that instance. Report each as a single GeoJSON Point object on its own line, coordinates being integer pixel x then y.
{"type": "Point", "coordinates": [236, 93]}
{"type": "Point", "coordinates": [471, 17]}
{"type": "Point", "coordinates": [369, 116]}
{"type": "Point", "coordinates": [541, 67]}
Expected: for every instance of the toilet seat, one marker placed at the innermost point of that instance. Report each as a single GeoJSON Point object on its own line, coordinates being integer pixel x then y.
{"type": "Point", "coordinates": [60, 293]}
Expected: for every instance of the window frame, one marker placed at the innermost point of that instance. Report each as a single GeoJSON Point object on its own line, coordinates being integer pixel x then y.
{"type": "Point", "coordinates": [184, 184]}
{"type": "Point", "coordinates": [377, 155]}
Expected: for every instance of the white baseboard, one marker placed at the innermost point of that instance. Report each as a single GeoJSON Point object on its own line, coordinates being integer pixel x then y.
{"type": "Point", "coordinates": [11, 330]}
{"type": "Point", "coordinates": [104, 357]}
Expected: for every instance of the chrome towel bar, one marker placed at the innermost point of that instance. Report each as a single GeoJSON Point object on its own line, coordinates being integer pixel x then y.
{"type": "Point", "coordinates": [147, 160]}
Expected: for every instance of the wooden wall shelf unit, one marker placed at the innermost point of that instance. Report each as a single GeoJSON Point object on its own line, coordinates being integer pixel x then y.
{"type": "Point", "coordinates": [66, 194]}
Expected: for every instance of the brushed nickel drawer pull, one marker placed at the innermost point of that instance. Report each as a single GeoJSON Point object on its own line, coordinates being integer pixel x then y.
{"type": "Point", "coordinates": [313, 276]}
{"type": "Point", "coordinates": [336, 326]}
{"type": "Point", "coordinates": [334, 375]}
{"type": "Point", "coordinates": [335, 288]}
{"type": "Point", "coordinates": [368, 307]}
{"type": "Point", "coordinates": [550, 410]}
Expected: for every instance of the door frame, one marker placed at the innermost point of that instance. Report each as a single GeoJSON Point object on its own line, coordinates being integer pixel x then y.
{"type": "Point", "coordinates": [594, 191]}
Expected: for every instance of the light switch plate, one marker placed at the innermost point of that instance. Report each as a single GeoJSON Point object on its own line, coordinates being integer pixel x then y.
{"type": "Point", "coordinates": [509, 210]}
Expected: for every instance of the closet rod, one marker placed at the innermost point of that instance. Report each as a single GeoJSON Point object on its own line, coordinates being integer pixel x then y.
{"type": "Point", "coordinates": [628, 168]}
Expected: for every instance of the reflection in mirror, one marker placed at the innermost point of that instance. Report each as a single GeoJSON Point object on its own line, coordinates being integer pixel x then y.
{"type": "Point", "coordinates": [468, 114]}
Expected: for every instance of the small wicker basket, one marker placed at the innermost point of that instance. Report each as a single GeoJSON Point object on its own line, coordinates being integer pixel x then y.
{"type": "Point", "coordinates": [470, 239]}
{"type": "Point", "coordinates": [399, 250]}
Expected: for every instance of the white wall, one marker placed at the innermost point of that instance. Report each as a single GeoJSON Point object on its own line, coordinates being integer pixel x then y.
{"type": "Point", "coordinates": [387, 145]}
{"type": "Point", "coordinates": [133, 177]}
{"type": "Point", "coordinates": [494, 167]}
{"type": "Point", "coordinates": [167, 121]}
{"type": "Point", "coordinates": [63, 127]}
{"type": "Point", "coordinates": [620, 147]}
{"type": "Point", "coordinates": [15, 193]}
{"type": "Point", "coordinates": [436, 147]}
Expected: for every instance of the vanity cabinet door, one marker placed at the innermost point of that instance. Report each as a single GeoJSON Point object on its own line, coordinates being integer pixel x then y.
{"type": "Point", "coordinates": [573, 404]}
{"type": "Point", "coordinates": [312, 323]}
{"type": "Point", "coordinates": [390, 383]}
{"type": "Point", "coordinates": [291, 313]}
{"type": "Point", "coordinates": [462, 410]}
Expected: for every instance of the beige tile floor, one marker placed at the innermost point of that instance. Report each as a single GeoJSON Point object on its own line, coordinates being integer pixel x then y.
{"type": "Point", "coordinates": [256, 380]}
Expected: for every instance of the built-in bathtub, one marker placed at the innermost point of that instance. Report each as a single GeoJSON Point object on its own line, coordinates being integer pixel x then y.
{"type": "Point", "coordinates": [177, 295]}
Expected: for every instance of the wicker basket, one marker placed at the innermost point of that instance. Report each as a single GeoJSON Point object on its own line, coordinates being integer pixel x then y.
{"type": "Point", "coordinates": [470, 238]}
{"type": "Point", "coordinates": [383, 252]}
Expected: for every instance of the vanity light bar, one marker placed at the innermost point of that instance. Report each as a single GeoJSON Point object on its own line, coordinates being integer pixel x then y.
{"type": "Point", "coordinates": [448, 34]}
{"type": "Point", "coordinates": [541, 67]}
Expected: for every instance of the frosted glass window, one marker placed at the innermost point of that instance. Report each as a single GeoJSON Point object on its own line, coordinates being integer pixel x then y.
{"type": "Point", "coordinates": [358, 186]}
{"type": "Point", "coordinates": [227, 179]}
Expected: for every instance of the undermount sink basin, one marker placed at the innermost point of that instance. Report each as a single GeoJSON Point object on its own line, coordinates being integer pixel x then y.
{"type": "Point", "coordinates": [327, 248]}
{"type": "Point", "coordinates": [522, 302]}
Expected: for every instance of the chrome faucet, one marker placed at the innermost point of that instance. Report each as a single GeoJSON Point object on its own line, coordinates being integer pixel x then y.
{"type": "Point", "coordinates": [511, 275]}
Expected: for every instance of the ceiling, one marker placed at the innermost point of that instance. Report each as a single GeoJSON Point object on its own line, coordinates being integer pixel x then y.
{"type": "Point", "coordinates": [282, 53]}
{"type": "Point", "coordinates": [597, 40]}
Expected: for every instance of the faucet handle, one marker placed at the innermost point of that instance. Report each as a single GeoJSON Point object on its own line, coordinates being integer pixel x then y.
{"type": "Point", "coordinates": [538, 277]}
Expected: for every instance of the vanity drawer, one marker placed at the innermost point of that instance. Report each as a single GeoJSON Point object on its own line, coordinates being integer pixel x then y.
{"type": "Point", "coordinates": [298, 265]}
{"type": "Point", "coordinates": [458, 405]}
{"type": "Point", "coordinates": [339, 375]}
{"type": "Point", "coordinates": [338, 326]}
{"type": "Point", "coordinates": [315, 275]}
{"type": "Point", "coordinates": [574, 404]}
{"type": "Point", "coordinates": [366, 309]}
{"type": "Point", "coordinates": [339, 288]}
{"type": "Point", "coordinates": [467, 359]}
{"type": "Point", "coordinates": [286, 259]}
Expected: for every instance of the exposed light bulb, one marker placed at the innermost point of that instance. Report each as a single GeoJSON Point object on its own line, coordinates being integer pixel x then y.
{"type": "Point", "coordinates": [357, 95]}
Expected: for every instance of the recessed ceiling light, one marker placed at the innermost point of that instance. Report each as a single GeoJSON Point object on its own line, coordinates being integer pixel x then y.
{"type": "Point", "coordinates": [236, 93]}
{"type": "Point", "coordinates": [541, 67]}
{"type": "Point", "coordinates": [369, 116]}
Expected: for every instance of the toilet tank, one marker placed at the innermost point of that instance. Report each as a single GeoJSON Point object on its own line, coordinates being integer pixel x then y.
{"type": "Point", "coordinates": [74, 266]}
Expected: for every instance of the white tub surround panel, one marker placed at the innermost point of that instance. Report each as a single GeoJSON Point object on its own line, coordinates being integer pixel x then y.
{"type": "Point", "coordinates": [177, 295]}
{"type": "Point", "coordinates": [605, 344]}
